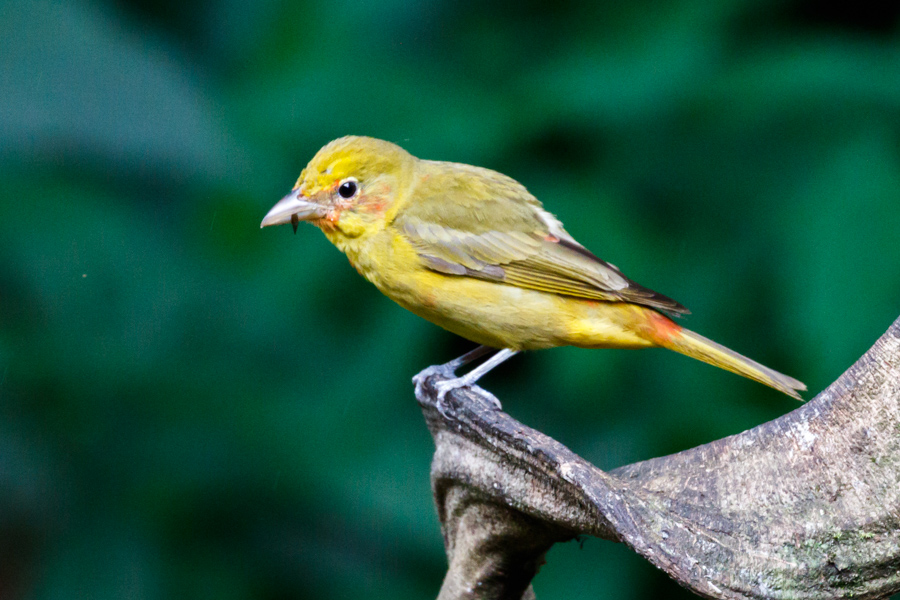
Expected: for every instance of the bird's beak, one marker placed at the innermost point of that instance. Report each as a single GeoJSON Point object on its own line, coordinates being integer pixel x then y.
{"type": "Point", "coordinates": [293, 209]}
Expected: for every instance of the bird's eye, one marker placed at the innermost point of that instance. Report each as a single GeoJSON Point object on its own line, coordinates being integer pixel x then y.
{"type": "Point", "coordinates": [348, 188]}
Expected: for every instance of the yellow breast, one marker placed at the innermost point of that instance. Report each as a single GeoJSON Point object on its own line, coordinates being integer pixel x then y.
{"type": "Point", "coordinates": [485, 312]}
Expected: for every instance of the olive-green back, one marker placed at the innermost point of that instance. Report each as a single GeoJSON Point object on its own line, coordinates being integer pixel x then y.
{"type": "Point", "coordinates": [473, 222]}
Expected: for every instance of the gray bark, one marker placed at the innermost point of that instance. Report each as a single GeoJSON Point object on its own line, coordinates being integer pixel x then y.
{"type": "Point", "coordinates": [805, 506]}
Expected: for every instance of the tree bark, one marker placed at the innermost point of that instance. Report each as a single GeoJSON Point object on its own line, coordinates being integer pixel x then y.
{"type": "Point", "coordinates": [805, 506]}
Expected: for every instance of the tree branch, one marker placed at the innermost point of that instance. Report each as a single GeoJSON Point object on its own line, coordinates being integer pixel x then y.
{"type": "Point", "coordinates": [805, 506]}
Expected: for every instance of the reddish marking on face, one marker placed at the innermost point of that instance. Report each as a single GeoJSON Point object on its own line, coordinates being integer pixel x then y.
{"type": "Point", "coordinates": [329, 221]}
{"type": "Point", "coordinates": [375, 206]}
{"type": "Point", "coordinates": [333, 216]}
{"type": "Point", "coordinates": [324, 224]}
{"type": "Point", "coordinates": [662, 328]}
{"type": "Point", "coordinates": [551, 238]}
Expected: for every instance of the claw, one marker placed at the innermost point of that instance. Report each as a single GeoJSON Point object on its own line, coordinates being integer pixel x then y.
{"type": "Point", "coordinates": [452, 382]}
{"type": "Point", "coordinates": [445, 387]}
{"type": "Point", "coordinates": [442, 387]}
{"type": "Point", "coordinates": [447, 371]}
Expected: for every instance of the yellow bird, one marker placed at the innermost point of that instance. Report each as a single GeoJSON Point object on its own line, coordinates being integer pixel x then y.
{"type": "Point", "coordinates": [471, 250]}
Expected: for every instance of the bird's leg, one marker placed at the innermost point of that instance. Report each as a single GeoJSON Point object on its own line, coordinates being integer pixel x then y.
{"type": "Point", "coordinates": [472, 376]}
{"type": "Point", "coordinates": [451, 382]}
{"type": "Point", "coordinates": [448, 370]}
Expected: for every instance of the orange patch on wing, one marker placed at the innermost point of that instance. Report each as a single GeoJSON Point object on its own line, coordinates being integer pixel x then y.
{"type": "Point", "coordinates": [551, 238]}
{"type": "Point", "coordinates": [662, 329]}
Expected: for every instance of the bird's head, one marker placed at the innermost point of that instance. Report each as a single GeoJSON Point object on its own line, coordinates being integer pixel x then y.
{"type": "Point", "coordinates": [347, 188]}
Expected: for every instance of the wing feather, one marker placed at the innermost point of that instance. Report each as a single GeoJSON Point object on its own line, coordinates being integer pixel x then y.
{"type": "Point", "coordinates": [512, 239]}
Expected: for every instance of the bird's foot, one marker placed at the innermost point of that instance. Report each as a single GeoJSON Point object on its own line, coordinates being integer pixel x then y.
{"type": "Point", "coordinates": [444, 387]}
{"type": "Point", "coordinates": [451, 382]}
{"type": "Point", "coordinates": [446, 370]}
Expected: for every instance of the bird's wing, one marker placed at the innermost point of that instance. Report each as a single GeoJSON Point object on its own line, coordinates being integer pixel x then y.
{"type": "Point", "coordinates": [485, 225]}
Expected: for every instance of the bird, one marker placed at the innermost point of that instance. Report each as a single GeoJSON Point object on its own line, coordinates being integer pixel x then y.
{"type": "Point", "coordinates": [471, 250]}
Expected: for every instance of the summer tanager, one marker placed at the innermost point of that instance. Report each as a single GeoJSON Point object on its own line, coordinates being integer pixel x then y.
{"type": "Point", "coordinates": [471, 250]}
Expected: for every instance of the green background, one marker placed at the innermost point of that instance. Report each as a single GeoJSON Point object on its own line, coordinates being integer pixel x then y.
{"type": "Point", "coordinates": [191, 407]}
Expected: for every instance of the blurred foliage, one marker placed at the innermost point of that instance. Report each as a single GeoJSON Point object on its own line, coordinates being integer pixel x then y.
{"type": "Point", "coordinates": [192, 407]}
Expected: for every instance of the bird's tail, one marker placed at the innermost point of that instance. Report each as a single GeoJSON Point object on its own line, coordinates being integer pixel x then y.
{"type": "Point", "coordinates": [674, 337]}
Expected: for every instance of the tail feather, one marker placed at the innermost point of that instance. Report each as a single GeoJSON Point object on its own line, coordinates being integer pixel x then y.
{"type": "Point", "coordinates": [696, 346]}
